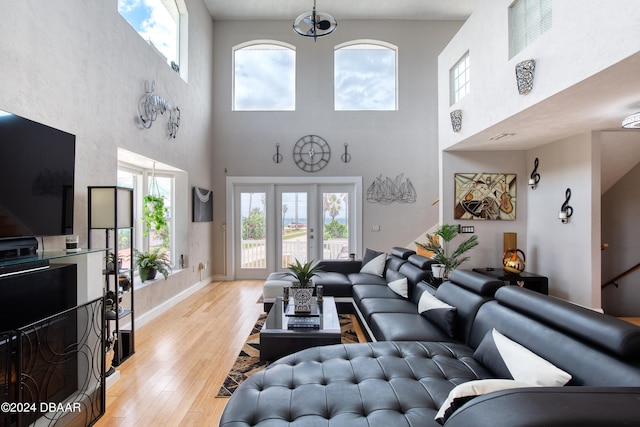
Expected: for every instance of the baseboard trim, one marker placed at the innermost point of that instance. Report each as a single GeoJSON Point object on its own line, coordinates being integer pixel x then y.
{"type": "Point", "coordinates": [147, 317]}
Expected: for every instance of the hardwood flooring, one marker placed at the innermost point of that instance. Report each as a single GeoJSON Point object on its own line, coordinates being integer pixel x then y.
{"type": "Point", "coordinates": [182, 359]}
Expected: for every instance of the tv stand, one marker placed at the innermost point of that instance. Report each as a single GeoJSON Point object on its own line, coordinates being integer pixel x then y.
{"type": "Point", "coordinates": [15, 247]}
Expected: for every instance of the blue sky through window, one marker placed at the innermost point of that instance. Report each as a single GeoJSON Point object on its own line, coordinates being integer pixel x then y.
{"type": "Point", "coordinates": [154, 22]}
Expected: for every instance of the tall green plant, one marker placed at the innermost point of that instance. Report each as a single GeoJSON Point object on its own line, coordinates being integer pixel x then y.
{"type": "Point", "coordinates": [439, 243]}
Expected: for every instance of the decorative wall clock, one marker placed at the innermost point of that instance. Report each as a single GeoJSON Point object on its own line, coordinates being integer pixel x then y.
{"type": "Point", "coordinates": [311, 153]}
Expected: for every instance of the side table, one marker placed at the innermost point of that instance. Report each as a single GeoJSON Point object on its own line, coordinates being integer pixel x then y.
{"type": "Point", "coordinates": [526, 280]}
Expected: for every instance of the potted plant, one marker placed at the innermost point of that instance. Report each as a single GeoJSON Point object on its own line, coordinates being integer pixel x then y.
{"type": "Point", "coordinates": [153, 214]}
{"type": "Point", "coordinates": [150, 263]}
{"type": "Point", "coordinates": [113, 262]}
{"type": "Point", "coordinates": [302, 289]}
{"type": "Point", "coordinates": [439, 244]}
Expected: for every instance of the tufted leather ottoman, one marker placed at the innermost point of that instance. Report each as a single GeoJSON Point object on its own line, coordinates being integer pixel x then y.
{"type": "Point", "coordinates": [380, 384]}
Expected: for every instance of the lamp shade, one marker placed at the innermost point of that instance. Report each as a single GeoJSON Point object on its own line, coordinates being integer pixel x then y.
{"type": "Point", "coordinates": [110, 207]}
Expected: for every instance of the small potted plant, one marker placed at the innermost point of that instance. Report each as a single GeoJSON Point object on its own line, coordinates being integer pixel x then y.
{"type": "Point", "coordinates": [151, 263]}
{"type": "Point", "coordinates": [113, 262]}
{"type": "Point", "coordinates": [303, 286]}
{"type": "Point", "coordinates": [438, 243]}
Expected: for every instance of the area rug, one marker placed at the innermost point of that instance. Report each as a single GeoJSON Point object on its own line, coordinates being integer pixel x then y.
{"type": "Point", "coordinates": [248, 361]}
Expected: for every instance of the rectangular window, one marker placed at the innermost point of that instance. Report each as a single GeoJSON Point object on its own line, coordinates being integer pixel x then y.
{"type": "Point", "coordinates": [460, 79]}
{"type": "Point", "coordinates": [157, 22]}
{"type": "Point", "coordinates": [154, 241]}
{"type": "Point", "coordinates": [528, 20]}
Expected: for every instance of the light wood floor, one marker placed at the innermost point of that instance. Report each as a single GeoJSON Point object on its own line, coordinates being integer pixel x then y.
{"type": "Point", "coordinates": [183, 357]}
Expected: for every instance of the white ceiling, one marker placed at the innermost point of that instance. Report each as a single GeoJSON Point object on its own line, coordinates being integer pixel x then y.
{"type": "Point", "coordinates": [341, 9]}
{"type": "Point", "coordinates": [597, 103]}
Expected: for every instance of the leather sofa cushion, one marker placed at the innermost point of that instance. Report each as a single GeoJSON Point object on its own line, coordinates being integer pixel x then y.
{"type": "Point", "coordinates": [331, 278]}
{"type": "Point", "coordinates": [366, 279]}
{"type": "Point", "coordinates": [589, 365]}
{"type": "Point", "coordinates": [368, 306]}
{"type": "Point", "coordinates": [361, 292]}
{"type": "Point", "coordinates": [368, 384]}
{"type": "Point", "coordinates": [615, 335]}
{"type": "Point", "coordinates": [405, 327]}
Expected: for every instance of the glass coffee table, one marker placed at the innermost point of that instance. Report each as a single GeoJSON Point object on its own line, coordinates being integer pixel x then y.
{"type": "Point", "coordinates": [278, 339]}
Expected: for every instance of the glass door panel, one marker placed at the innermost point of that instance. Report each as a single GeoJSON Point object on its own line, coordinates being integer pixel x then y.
{"type": "Point", "coordinates": [335, 225]}
{"type": "Point", "coordinates": [294, 210]}
{"type": "Point", "coordinates": [253, 230]}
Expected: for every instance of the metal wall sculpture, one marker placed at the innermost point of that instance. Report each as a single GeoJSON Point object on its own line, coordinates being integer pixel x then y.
{"type": "Point", "coordinates": [387, 190]}
{"type": "Point", "coordinates": [487, 196]}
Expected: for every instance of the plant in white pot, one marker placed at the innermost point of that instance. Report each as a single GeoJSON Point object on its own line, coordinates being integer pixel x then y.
{"type": "Point", "coordinates": [439, 243]}
{"type": "Point", "coordinates": [302, 289]}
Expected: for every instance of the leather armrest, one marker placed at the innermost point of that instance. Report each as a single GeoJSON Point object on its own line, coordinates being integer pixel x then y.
{"type": "Point", "coordinates": [552, 407]}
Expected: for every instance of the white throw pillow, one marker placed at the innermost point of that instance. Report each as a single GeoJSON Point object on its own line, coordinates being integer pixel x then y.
{"type": "Point", "coordinates": [400, 287]}
{"type": "Point", "coordinates": [464, 392]}
{"type": "Point", "coordinates": [375, 266]}
{"type": "Point", "coordinates": [498, 352]}
{"type": "Point", "coordinates": [430, 302]}
{"type": "Point", "coordinates": [438, 312]}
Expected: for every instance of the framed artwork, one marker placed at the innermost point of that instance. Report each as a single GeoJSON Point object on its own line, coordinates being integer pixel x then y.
{"type": "Point", "coordinates": [202, 205]}
{"type": "Point", "coordinates": [486, 196]}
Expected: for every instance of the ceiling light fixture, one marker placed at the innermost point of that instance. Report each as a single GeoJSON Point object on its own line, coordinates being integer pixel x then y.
{"type": "Point", "coordinates": [315, 24]}
{"type": "Point", "coordinates": [501, 136]}
{"type": "Point", "coordinates": [632, 122]}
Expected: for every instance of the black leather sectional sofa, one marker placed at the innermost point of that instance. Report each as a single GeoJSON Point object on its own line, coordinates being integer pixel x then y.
{"type": "Point", "coordinates": [420, 364]}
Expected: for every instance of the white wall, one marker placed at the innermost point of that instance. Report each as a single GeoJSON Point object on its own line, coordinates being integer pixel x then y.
{"type": "Point", "coordinates": [569, 254]}
{"type": "Point", "coordinates": [608, 33]}
{"type": "Point", "coordinates": [490, 234]}
{"type": "Point", "coordinates": [80, 67]}
{"type": "Point", "coordinates": [381, 143]}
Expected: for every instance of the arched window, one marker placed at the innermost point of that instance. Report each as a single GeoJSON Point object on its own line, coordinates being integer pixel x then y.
{"type": "Point", "coordinates": [163, 24]}
{"type": "Point", "coordinates": [264, 76]}
{"type": "Point", "coordinates": [365, 76]}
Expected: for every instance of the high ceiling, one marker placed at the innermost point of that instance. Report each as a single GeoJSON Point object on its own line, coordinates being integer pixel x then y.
{"type": "Point", "coordinates": [598, 103]}
{"type": "Point", "coordinates": [341, 9]}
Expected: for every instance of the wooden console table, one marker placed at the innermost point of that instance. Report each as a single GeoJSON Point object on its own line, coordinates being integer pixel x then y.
{"type": "Point", "coordinates": [526, 280]}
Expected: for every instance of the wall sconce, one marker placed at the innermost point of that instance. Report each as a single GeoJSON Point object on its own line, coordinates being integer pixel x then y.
{"type": "Point", "coordinates": [456, 120]}
{"type": "Point", "coordinates": [345, 157]}
{"type": "Point", "coordinates": [153, 104]}
{"type": "Point", "coordinates": [277, 157]}
{"type": "Point", "coordinates": [566, 211]}
{"type": "Point", "coordinates": [525, 71]}
{"type": "Point", "coordinates": [534, 179]}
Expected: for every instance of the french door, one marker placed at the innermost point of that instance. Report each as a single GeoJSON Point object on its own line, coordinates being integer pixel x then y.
{"type": "Point", "coordinates": [277, 223]}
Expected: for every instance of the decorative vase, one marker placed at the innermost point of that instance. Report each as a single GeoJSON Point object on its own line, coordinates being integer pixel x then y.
{"type": "Point", "coordinates": [512, 263]}
{"type": "Point", "coordinates": [302, 299]}
{"type": "Point", "coordinates": [437, 270]}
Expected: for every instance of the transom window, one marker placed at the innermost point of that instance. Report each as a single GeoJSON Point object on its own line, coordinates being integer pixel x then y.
{"type": "Point", "coordinates": [158, 22]}
{"type": "Point", "coordinates": [528, 20]}
{"type": "Point", "coordinates": [264, 77]}
{"type": "Point", "coordinates": [365, 76]}
{"type": "Point", "coordinates": [460, 79]}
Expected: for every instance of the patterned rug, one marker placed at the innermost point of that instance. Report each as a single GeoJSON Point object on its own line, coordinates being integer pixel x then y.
{"type": "Point", "coordinates": [248, 361]}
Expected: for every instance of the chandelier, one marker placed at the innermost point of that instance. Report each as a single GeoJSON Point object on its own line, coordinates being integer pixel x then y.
{"type": "Point", "coordinates": [315, 24]}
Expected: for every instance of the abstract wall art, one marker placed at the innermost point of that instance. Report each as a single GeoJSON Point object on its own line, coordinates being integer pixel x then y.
{"type": "Point", "coordinates": [485, 196]}
{"type": "Point", "coordinates": [202, 205]}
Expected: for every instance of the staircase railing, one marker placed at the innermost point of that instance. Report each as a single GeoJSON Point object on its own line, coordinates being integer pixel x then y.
{"type": "Point", "coordinates": [620, 276]}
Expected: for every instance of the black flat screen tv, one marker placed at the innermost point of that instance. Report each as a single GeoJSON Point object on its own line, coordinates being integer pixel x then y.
{"type": "Point", "coordinates": [37, 167]}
